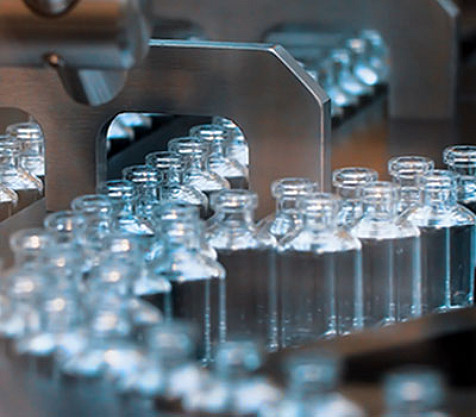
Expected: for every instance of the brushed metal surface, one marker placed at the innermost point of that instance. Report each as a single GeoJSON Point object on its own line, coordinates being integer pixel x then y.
{"type": "Point", "coordinates": [422, 36]}
{"type": "Point", "coordinates": [283, 112]}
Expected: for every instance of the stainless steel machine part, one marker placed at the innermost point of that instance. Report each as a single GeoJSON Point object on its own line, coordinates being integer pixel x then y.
{"type": "Point", "coordinates": [282, 111]}
{"type": "Point", "coordinates": [422, 37]}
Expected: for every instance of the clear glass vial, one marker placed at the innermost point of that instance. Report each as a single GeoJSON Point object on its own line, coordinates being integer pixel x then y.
{"type": "Point", "coordinates": [237, 147]}
{"type": "Point", "coordinates": [197, 283]}
{"type": "Point", "coordinates": [169, 164]}
{"type": "Point", "coordinates": [194, 152]}
{"type": "Point", "coordinates": [325, 298]}
{"type": "Point", "coordinates": [348, 183]}
{"type": "Point", "coordinates": [148, 182]}
{"type": "Point", "coordinates": [124, 197]}
{"type": "Point", "coordinates": [248, 258]}
{"type": "Point", "coordinates": [286, 219]}
{"type": "Point", "coordinates": [28, 187]}
{"type": "Point", "coordinates": [391, 260]}
{"type": "Point", "coordinates": [230, 169]}
{"type": "Point", "coordinates": [414, 392]}
{"type": "Point", "coordinates": [447, 244]}
{"type": "Point", "coordinates": [346, 77]}
{"type": "Point", "coordinates": [234, 388]}
{"type": "Point", "coordinates": [461, 159]}
{"type": "Point", "coordinates": [311, 390]}
{"type": "Point", "coordinates": [32, 146]}
{"type": "Point", "coordinates": [408, 173]}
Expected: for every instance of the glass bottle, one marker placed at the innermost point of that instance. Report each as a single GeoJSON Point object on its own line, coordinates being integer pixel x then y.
{"type": "Point", "coordinates": [230, 169]}
{"type": "Point", "coordinates": [348, 183]}
{"type": "Point", "coordinates": [28, 187]}
{"type": "Point", "coordinates": [170, 371]}
{"type": "Point", "coordinates": [8, 202]}
{"type": "Point", "coordinates": [32, 147]}
{"type": "Point", "coordinates": [168, 163]}
{"type": "Point", "coordinates": [124, 196]}
{"type": "Point", "coordinates": [237, 147]}
{"type": "Point", "coordinates": [194, 152]}
{"type": "Point", "coordinates": [286, 219]}
{"type": "Point", "coordinates": [408, 172]}
{"type": "Point", "coordinates": [325, 298]}
{"type": "Point", "coordinates": [379, 56]}
{"type": "Point", "coordinates": [328, 76]}
{"type": "Point", "coordinates": [312, 389]}
{"type": "Point", "coordinates": [148, 182]}
{"type": "Point", "coordinates": [197, 283]}
{"type": "Point", "coordinates": [347, 80]}
{"type": "Point", "coordinates": [98, 211]}
{"type": "Point", "coordinates": [248, 258]}
{"type": "Point", "coordinates": [461, 159]}
{"type": "Point", "coordinates": [390, 257]}
{"type": "Point", "coordinates": [363, 70]}
{"type": "Point", "coordinates": [414, 392]}
{"type": "Point", "coordinates": [234, 388]}
{"type": "Point", "coordinates": [447, 244]}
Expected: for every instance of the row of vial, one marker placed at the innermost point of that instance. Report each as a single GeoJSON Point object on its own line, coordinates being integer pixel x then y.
{"type": "Point", "coordinates": [22, 167]}
{"type": "Point", "coordinates": [316, 268]}
{"type": "Point", "coordinates": [350, 69]}
{"type": "Point", "coordinates": [120, 376]}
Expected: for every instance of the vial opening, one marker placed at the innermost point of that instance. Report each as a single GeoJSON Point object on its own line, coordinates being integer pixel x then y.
{"type": "Point", "coordinates": [230, 200]}
{"type": "Point", "coordinates": [189, 146]}
{"type": "Point", "coordinates": [28, 132]}
{"type": "Point", "coordinates": [92, 204]}
{"type": "Point", "coordinates": [118, 189]}
{"type": "Point", "coordinates": [460, 156]}
{"type": "Point", "coordinates": [353, 177]}
{"type": "Point", "coordinates": [410, 167]}
{"type": "Point", "coordinates": [64, 221]}
{"type": "Point", "coordinates": [291, 187]}
{"type": "Point", "coordinates": [319, 204]}
{"type": "Point", "coordinates": [209, 132]}
{"type": "Point", "coordinates": [163, 160]}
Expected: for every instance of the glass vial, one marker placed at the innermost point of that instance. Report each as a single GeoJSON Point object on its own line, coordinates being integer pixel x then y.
{"type": "Point", "coordinates": [325, 298]}
{"type": "Point", "coordinates": [348, 183]}
{"type": "Point", "coordinates": [390, 258]}
{"type": "Point", "coordinates": [237, 147]}
{"type": "Point", "coordinates": [414, 392]}
{"type": "Point", "coordinates": [447, 244]}
{"type": "Point", "coordinates": [230, 169]}
{"type": "Point", "coordinates": [28, 187]}
{"type": "Point", "coordinates": [194, 152]}
{"type": "Point", "coordinates": [32, 146]}
{"type": "Point", "coordinates": [408, 173]}
{"type": "Point", "coordinates": [169, 164]}
{"type": "Point", "coordinates": [286, 219]}
{"type": "Point", "coordinates": [248, 258]}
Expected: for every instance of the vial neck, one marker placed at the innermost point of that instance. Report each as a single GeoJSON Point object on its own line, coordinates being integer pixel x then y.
{"type": "Point", "coordinates": [379, 211]}
{"type": "Point", "coordinates": [467, 188]}
{"type": "Point", "coordinates": [195, 162]}
{"type": "Point", "coordinates": [9, 160]}
{"type": "Point", "coordinates": [287, 204]}
{"type": "Point", "coordinates": [440, 200]}
{"type": "Point", "coordinates": [318, 222]}
{"type": "Point", "coordinates": [172, 176]}
{"type": "Point", "coordinates": [237, 217]}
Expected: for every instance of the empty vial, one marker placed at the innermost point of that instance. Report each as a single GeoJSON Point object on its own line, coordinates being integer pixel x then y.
{"type": "Point", "coordinates": [390, 257]}
{"type": "Point", "coordinates": [230, 169]}
{"type": "Point", "coordinates": [461, 159]}
{"type": "Point", "coordinates": [8, 202]}
{"type": "Point", "coordinates": [311, 391]}
{"type": "Point", "coordinates": [414, 392]}
{"type": "Point", "coordinates": [124, 196]}
{"type": "Point", "coordinates": [447, 244]}
{"type": "Point", "coordinates": [237, 147]}
{"type": "Point", "coordinates": [28, 187]}
{"type": "Point", "coordinates": [194, 152]}
{"type": "Point", "coordinates": [169, 164]}
{"type": "Point", "coordinates": [148, 182]}
{"type": "Point", "coordinates": [364, 71]}
{"type": "Point", "coordinates": [286, 219]}
{"type": "Point", "coordinates": [348, 183]}
{"type": "Point", "coordinates": [346, 77]}
{"type": "Point", "coordinates": [197, 282]}
{"type": "Point", "coordinates": [408, 173]}
{"type": "Point", "coordinates": [32, 147]}
{"type": "Point", "coordinates": [248, 258]}
{"type": "Point", "coordinates": [325, 298]}
{"type": "Point", "coordinates": [234, 387]}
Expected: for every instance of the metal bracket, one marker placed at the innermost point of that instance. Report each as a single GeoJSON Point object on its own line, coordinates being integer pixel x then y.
{"type": "Point", "coordinates": [422, 37]}
{"type": "Point", "coordinates": [283, 112]}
